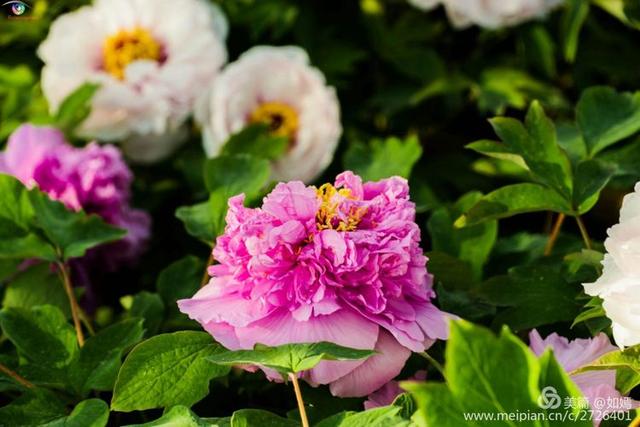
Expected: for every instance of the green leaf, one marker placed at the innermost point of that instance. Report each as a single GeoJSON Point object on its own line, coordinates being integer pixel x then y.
{"type": "Point", "coordinates": [574, 16]}
{"type": "Point", "coordinates": [497, 150]}
{"type": "Point", "coordinates": [490, 375]}
{"type": "Point", "coordinates": [181, 416]}
{"type": "Point", "coordinates": [167, 370]}
{"type": "Point", "coordinates": [225, 176]}
{"type": "Point", "coordinates": [606, 116]}
{"type": "Point", "coordinates": [76, 107]}
{"type": "Point", "coordinates": [500, 88]}
{"type": "Point", "coordinates": [290, 357]}
{"type": "Point", "coordinates": [34, 408]}
{"type": "Point", "coordinates": [37, 285]}
{"type": "Point", "coordinates": [539, 49]}
{"type": "Point", "coordinates": [201, 221]}
{"type": "Point", "coordinates": [594, 310]}
{"type": "Point", "coordinates": [590, 178]}
{"type": "Point", "coordinates": [256, 417]}
{"type": "Point", "coordinates": [72, 232]}
{"type": "Point", "coordinates": [512, 200]}
{"type": "Point", "coordinates": [256, 141]}
{"type": "Point", "coordinates": [471, 244]}
{"type": "Point", "coordinates": [533, 295]}
{"type": "Point", "coordinates": [476, 371]}
{"type": "Point", "coordinates": [88, 413]}
{"type": "Point", "coordinates": [437, 406]}
{"type": "Point", "coordinates": [18, 239]}
{"type": "Point", "coordinates": [232, 175]}
{"type": "Point", "coordinates": [98, 362]}
{"type": "Point", "coordinates": [554, 375]}
{"type": "Point", "coordinates": [625, 362]}
{"type": "Point", "coordinates": [386, 416]}
{"type": "Point", "coordinates": [149, 307]}
{"type": "Point", "coordinates": [536, 142]}
{"type": "Point", "coordinates": [42, 334]}
{"type": "Point", "coordinates": [572, 142]}
{"type": "Point", "coordinates": [383, 158]}
{"type": "Point", "coordinates": [181, 279]}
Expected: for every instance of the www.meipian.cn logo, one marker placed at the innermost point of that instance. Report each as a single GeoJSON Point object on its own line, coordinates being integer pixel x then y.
{"type": "Point", "coordinates": [549, 398]}
{"type": "Point", "coordinates": [16, 8]}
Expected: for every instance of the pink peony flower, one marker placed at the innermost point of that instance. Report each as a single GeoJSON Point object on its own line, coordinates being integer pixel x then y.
{"type": "Point", "coordinates": [94, 179]}
{"type": "Point", "coordinates": [340, 263]}
{"type": "Point", "coordinates": [598, 387]}
{"type": "Point", "coordinates": [385, 395]}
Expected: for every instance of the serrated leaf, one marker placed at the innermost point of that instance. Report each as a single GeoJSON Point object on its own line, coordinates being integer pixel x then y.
{"type": "Point", "coordinates": [167, 370]}
{"type": "Point", "coordinates": [288, 358]}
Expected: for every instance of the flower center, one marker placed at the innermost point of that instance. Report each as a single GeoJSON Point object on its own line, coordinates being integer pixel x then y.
{"type": "Point", "coordinates": [280, 118]}
{"type": "Point", "coordinates": [126, 46]}
{"type": "Point", "coordinates": [332, 215]}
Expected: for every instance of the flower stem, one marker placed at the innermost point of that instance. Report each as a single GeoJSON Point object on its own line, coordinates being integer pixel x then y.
{"type": "Point", "coordinates": [15, 376]}
{"type": "Point", "coordinates": [205, 275]}
{"type": "Point", "coordinates": [73, 302]}
{"type": "Point", "coordinates": [583, 232]}
{"type": "Point", "coordinates": [296, 388]}
{"type": "Point", "coordinates": [433, 361]}
{"type": "Point", "coordinates": [555, 231]}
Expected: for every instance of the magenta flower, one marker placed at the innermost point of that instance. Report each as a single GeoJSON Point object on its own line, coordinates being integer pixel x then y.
{"type": "Point", "coordinates": [340, 263]}
{"type": "Point", "coordinates": [598, 387]}
{"type": "Point", "coordinates": [94, 178]}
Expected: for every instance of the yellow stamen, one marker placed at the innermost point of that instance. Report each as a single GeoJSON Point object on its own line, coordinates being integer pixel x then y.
{"type": "Point", "coordinates": [127, 46]}
{"type": "Point", "coordinates": [330, 198]}
{"type": "Point", "coordinates": [281, 119]}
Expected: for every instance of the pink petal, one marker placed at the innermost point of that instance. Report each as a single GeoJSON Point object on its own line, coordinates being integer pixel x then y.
{"type": "Point", "coordinates": [375, 371]}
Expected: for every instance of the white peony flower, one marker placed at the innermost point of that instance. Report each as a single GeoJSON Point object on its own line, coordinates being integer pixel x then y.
{"type": "Point", "coordinates": [276, 86]}
{"type": "Point", "coordinates": [490, 13]}
{"type": "Point", "coordinates": [619, 285]}
{"type": "Point", "coordinates": [151, 58]}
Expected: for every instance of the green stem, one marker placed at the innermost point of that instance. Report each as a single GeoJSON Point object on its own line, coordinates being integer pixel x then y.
{"type": "Point", "coordinates": [433, 361]}
{"type": "Point", "coordinates": [557, 226]}
{"type": "Point", "coordinates": [296, 389]}
{"type": "Point", "coordinates": [11, 373]}
{"type": "Point", "coordinates": [583, 232]}
{"type": "Point", "coordinates": [73, 302]}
